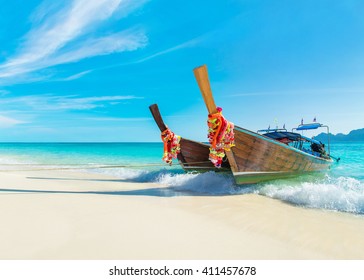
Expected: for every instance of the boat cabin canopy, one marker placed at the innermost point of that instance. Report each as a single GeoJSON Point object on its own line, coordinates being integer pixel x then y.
{"type": "Point", "coordinates": [277, 135]}
{"type": "Point", "coordinates": [309, 126]}
{"type": "Point", "coordinates": [297, 140]}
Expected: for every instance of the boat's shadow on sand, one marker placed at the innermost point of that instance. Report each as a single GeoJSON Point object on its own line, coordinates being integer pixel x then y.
{"type": "Point", "coordinates": [156, 192]}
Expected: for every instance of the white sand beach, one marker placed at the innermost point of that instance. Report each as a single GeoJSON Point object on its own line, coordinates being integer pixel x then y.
{"type": "Point", "coordinates": [67, 215]}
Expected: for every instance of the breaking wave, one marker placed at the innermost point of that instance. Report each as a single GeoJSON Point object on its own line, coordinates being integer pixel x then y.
{"type": "Point", "coordinates": [345, 194]}
{"type": "Point", "coordinates": [209, 183]}
{"type": "Point", "coordinates": [340, 189]}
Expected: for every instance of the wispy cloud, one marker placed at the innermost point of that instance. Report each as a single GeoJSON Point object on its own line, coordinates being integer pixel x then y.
{"type": "Point", "coordinates": [187, 44]}
{"type": "Point", "coordinates": [184, 45]}
{"type": "Point", "coordinates": [119, 119]}
{"type": "Point", "coordinates": [301, 92]}
{"type": "Point", "coordinates": [75, 76]}
{"type": "Point", "coordinates": [8, 122]}
{"type": "Point", "coordinates": [128, 40]}
{"type": "Point", "coordinates": [203, 39]}
{"type": "Point", "coordinates": [54, 37]}
{"type": "Point", "coordinates": [63, 103]}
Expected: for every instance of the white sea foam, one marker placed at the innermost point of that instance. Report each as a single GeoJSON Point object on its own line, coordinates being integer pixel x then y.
{"type": "Point", "coordinates": [13, 163]}
{"type": "Point", "coordinates": [342, 194]}
{"type": "Point", "coordinates": [205, 183]}
{"type": "Point", "coordinates": [209, 183]}
{"type": "Point", "coordinates": [122, 173]}
{"type": "Point", "coordinates": [5, 160]}
{"type": "Point", "coordinates": [343, 190]}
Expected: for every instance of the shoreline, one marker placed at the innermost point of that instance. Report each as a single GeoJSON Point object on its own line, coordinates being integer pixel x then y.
{"type": "Point", "coordinates": [62, 215]}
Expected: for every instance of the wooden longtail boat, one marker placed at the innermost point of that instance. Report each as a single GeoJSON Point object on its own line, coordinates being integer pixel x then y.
{"type": "Point", "coordinates": [193, 156]}
{"type": "Point", "coordinates": [256, 157]}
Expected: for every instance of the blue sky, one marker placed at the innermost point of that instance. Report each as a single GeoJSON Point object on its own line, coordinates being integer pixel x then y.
{"type": "Point", "coordinates": [87, 70]}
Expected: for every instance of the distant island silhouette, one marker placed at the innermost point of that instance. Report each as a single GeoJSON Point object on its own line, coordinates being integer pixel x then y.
{"type": "Point", "coordinates": [356, 135]}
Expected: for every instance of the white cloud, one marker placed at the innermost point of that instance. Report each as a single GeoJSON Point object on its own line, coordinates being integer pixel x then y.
{"type": "Point", "coordinates": [129, 40]}
{"type": "Point", "coordinates": [75, 76]}
{"type": "Point", "coordinates": [120, 119]}
{"type": "Point", "coordinates": [328, 91]}
{"type": "Point", "coordinates": [184, 45]}
{"type": "Point", "coordinates": [54, 36]}
{"type": "Point", "coordinates": [127, 7]}
{"type": "Point", "coordinates": [8, 122]}
{"type": "Point", "coordinates": [187, 44]}
{"type": "Point", "coordinates": [62, 103]}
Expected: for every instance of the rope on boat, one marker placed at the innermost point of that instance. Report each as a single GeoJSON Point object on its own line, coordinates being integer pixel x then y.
{"type": "Point", "coordinates": [86, 167]}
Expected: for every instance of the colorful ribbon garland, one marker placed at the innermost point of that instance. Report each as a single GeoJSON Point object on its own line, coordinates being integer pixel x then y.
{"type": "Point", "coordinates": [171, 145]}
{"type": "Point", "coordinates": [220, 135]}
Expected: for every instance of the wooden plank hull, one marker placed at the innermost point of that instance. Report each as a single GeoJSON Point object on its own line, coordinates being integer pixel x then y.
{"type": "Point", "coordinates": [193, 156]}
{"type": "Point", "coordinates": [258, 158]}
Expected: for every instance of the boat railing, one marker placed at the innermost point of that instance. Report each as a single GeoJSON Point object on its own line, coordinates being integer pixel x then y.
{"type": "Point", "coordinates": [311, 126]}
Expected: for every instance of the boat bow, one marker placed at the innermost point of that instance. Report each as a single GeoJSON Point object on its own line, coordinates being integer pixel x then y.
{"type": "Point", "coordinates": [256, 158]}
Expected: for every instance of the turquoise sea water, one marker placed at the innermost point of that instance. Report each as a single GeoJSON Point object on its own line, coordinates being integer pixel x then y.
{"type": "Point", "coordinates": [340, 189]}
